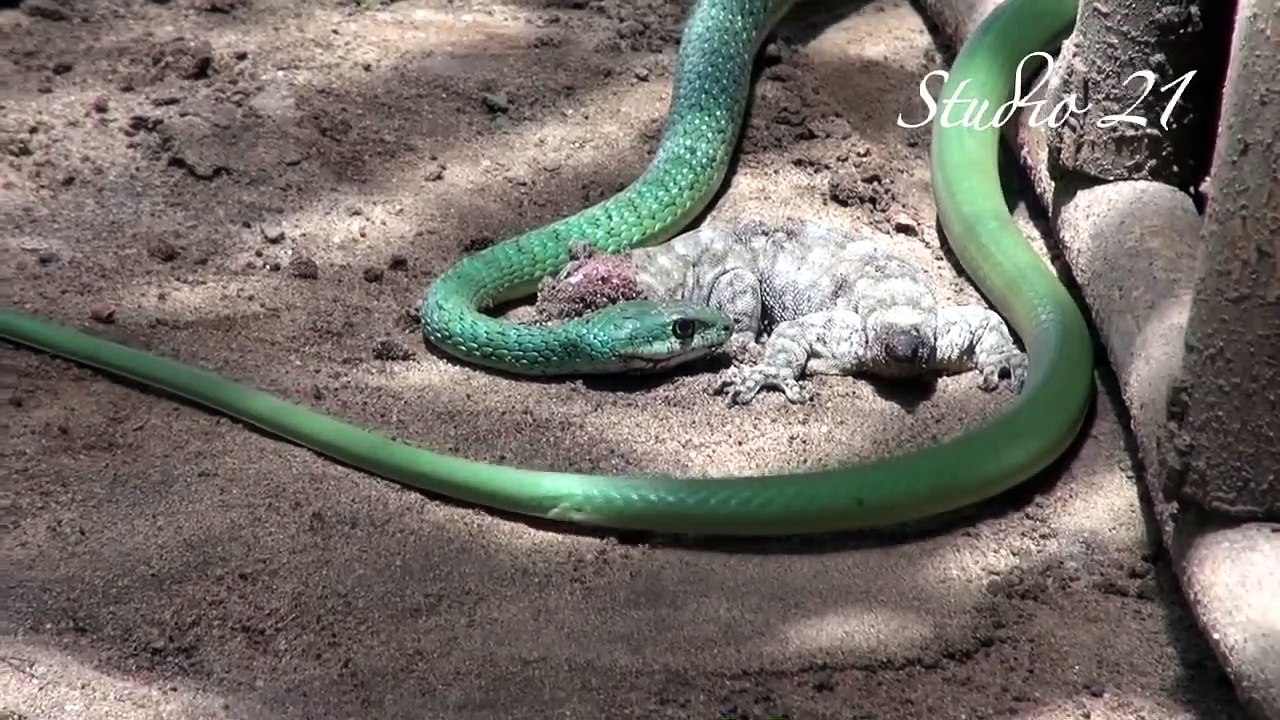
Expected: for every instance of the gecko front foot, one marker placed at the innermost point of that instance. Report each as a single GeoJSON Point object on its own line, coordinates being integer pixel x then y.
{"type": "Point", "coordinates": [743, 382]}
{"type": "Point", "coordinates": [1010, 367]}
{"type": "Point", "coordinates": [743, 349]}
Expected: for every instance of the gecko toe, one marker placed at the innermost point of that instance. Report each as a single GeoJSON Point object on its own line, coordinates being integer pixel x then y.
{"type": "Point", "coordinates": [795, 392]}
{"type": "Point", "coordinates": [744, 383]}
{"type": "Point", "coordinates": [1008, 370]}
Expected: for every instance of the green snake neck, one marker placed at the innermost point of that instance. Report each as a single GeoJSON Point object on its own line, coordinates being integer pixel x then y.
{"type": "Point", "coordinates": [704, 119]}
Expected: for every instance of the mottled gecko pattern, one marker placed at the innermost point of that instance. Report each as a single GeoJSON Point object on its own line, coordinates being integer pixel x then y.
{"type": "Point", "coordinates": [828, 303]}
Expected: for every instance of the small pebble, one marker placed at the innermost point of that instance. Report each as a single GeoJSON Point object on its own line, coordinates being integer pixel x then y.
{"type": "Point", "coordinates": [905, 225]}
{"type": "Point", "coordinates": [104, 313]}
{"type": "Point", "coordinates": [45, 9]}
{"type": "Point", "coordinates": [304, 267]}
{"type": "Point", "coordinates": [497, 103]}
{"type": "Point", "coordinates": [163, 250]}
{"type": "Point", "coordinates": [411, 317]}
{"type": "Point", "coordinates": [391, 349]}
{"type": "Point", "coordinates": [271, 232]}
{"type": "Point", "coordinates": [48, 257]}
{"type": "Point", "coordinates": [372, 274]}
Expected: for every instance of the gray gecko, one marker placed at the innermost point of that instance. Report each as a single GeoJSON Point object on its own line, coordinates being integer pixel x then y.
{"type": "Point", "coordinates": [830, 304]}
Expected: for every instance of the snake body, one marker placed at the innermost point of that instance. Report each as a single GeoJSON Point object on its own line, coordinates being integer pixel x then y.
{"type": "Point", "coordinates": [717, 48]}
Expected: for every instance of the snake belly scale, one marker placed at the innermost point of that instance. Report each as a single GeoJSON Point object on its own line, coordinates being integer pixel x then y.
{"type": "Point", "coordinates": [719, 42]}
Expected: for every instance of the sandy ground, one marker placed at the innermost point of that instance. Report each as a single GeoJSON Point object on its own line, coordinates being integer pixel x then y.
{"type": "Point", "coordinates": [265, 188]}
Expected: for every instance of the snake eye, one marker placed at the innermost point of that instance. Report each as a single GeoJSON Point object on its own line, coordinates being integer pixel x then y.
{"type": "Point", "coordinates": [683, 328]}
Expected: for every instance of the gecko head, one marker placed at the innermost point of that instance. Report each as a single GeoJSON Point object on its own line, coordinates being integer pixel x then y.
{"type": "Point", "coordinates": [650, 335]}
{"type": "Point", "coordinates": [903, 339]}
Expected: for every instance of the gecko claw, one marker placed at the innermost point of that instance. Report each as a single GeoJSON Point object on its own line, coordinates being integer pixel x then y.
{"type": "Point", "coordinates": [1010, 369]}
{"type": "Point", "coordinates": [742, 384]}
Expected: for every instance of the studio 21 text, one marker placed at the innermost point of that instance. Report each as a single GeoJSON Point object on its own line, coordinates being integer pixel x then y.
{"type": "Point", "coordinates": [976, 117]}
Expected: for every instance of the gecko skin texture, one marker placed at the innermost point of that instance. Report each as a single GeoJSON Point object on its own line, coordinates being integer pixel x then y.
{"type": "Point", "coordinates": [825, 303]}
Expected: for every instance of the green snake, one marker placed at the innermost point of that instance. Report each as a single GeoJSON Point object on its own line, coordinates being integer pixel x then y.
{"type": "Point", "coordinates": [716, 54]}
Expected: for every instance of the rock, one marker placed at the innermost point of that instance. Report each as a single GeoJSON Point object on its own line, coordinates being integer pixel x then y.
{"type": "Point", "coordinates": [194, 146]}
{"type": "Point", "coordinates": [304, 268]}
{"type": "Point", "coordinates": [391, 349]}
{"type": "Point", "coordinates": [903, 224]}
{"type": "Point", "coordinates": [273, 233]}
{"type": "Point", "coordinates": [497, 103]}
{"type": "Point", "coordinates": [45, 9]}
{"type": "Point", "coordinates": [163, 250]}
{"type": "Point", "coordinates": [102, 312]}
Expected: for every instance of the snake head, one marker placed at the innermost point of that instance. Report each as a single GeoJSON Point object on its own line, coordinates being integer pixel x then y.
{"type": "Point", "coordinates": [649, 335]}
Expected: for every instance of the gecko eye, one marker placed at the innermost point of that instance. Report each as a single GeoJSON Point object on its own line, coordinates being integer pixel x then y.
{"type": "Point", "coordinates": [683, 328]}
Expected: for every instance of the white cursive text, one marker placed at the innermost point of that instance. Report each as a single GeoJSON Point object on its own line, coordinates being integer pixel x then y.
{"type": "Point", "coordinates": [975, 113]}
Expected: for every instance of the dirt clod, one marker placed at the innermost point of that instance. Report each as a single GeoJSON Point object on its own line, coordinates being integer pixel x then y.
{"type": "Point", "coordinates": [861, 189]}
{"type": "Point", "coordinates": [304, 268]}
{"type": "Point", "coordinates": [391, 349]}
{"type": "Point", "coordinates": [273, 233]}
{"type": "Point", "coordinates": [497, 103]}
{"type": "Point", "coordinates": [102, 312]}
{"type": "Point", "coordinates": [163, 250]}
{"type": "Point", "coordinates": [905, 225]}
{"type": "Point", "coordinates": [185, 58]}
{"type": "Point", "coordinates": [433, 171]}
{"type": "Point", "coordinates": [217, 6]}
{"type": "Point", "coordinates": [46, 9]}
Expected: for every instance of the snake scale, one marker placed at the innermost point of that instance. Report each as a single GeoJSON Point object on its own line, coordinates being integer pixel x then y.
{"type": "Point", "coordinates": [720, 41]}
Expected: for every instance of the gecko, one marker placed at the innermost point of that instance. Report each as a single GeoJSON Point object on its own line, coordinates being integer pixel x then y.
{"type": "Point", "coordinates": [804, 298]}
